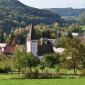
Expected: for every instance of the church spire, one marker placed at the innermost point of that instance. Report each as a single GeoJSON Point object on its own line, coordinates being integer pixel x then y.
{"type": "Point", "coordinates": [31, 35]}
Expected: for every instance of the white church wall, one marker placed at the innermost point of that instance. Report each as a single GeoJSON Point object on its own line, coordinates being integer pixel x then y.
{"type": "Point", "coordinates": [34, 45]}
{"type": "Point", "coordinates": [28, 46]}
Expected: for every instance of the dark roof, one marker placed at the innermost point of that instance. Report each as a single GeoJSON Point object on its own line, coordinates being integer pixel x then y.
{"type": "Point", "coordinates": [9, 49]}
{"type": "Point", "coordinates": [44, 49]}
{"type": "Point", "coordinates": [31, 35]}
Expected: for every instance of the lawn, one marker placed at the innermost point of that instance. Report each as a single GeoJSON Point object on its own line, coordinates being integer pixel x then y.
{"type": "Point", "coordinates": [83, 28]}
{"type": "Point", "coordinates": [43, 82]}
{"type": "Point", "coordinates": [12, 79]}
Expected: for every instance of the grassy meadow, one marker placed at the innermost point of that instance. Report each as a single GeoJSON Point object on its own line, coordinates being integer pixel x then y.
{"type": "Point", "coordinates": [83, 28]}
{"type": "Point", "coordinates": [15, 79]}
{"type": "Point", "coordinates": [43, 82]}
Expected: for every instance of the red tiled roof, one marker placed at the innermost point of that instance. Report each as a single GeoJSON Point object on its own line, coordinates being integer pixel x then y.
{"type": "Point", "coordinates": [9, 49]}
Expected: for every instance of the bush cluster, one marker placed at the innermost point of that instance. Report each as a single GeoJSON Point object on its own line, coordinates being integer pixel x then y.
{"type": "Point", "coordinates": [4, 67]}
{"type": "Point", "coordinates": [36, 75]}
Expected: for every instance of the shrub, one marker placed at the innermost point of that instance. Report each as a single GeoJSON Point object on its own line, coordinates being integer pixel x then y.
{"type": "Point", "coordinates": [82, 72]}
{"type": "Point", "coordinates": [46, 75]}
{"type": "Point", "coordinates": [26, 74]}
{"type": "Point", "coordinates": [4, 67]}
{"type": "Point", "coordinates": [36, 73]}
{"type": "Point", "coordinates": [58, 75]}
{"type": "Point", "coordinates": [31, 75]}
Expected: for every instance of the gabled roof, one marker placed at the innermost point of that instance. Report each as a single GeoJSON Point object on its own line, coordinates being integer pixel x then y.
{"type": "Point", "coordinates": [31, 35]}
{"type": "Point", "coordinates": [45, 49]}
{"type": "Point", "coordinates": [9, 49]}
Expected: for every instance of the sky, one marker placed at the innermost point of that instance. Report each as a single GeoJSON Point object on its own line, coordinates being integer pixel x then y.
{"type": "Point", "coordinates": [54, 3]}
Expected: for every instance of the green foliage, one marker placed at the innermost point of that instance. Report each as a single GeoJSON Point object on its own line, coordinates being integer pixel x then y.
{"type": "Point", "coordinates": [9, 39]}
{"type": "Point", "coordinates": [5, 67]}
{"type": "Point", "coordinates": [67, 11]}
{"type": "Point", "coordinates": [46, 34]}
{"type": "Point", "coordinates": [50, 60]}
{"type": "Point", "coordinates": [32, 61]}
{"type": "Point", "coordinates": [19, 39]}
{"type": "Point", "coordinates": [69, 34]}
{"type": "Point", "coordinates": [73, 55]}
{"type": "Point", "coordinates": [14, 14]}
{"type": "Point", "coordinates": [60, 43]}
{"type": "Point", "coordinates": [1, 37]}
{"type": "Point", "coordinates": [31, 75]}
{"type": "Point", "coordinates": [38, 33]}
{"type": "Point", "coordinates": [19, 60]}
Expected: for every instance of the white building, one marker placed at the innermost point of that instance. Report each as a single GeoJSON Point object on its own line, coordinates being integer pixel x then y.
{"type": "Point", "coordinates": [32, 45]}
{"type": "Point", "coordinates": [32, 42]}
{"type": "Point", "coordinates": [46, 40]}
{"type": "Point", "coordinates": [2, 45]}
{"type": "Point", "coordinates": [75, 34]}
{"type": "Point", "coordinates": [58, 50]}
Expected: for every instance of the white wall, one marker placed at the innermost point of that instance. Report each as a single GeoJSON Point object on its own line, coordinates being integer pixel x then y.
{"type": "Point", "coordinates": [34, 47]}
{"type": "Point", "coordinates": [2, 45]}
{"type": "Point", "coordinates": [75, 34]}
{"type": "Point", "coordinates": [28, 46]}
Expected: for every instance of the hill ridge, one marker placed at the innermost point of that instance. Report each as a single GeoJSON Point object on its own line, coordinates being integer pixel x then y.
{"type": "Point", "coordinates": [14, 14]}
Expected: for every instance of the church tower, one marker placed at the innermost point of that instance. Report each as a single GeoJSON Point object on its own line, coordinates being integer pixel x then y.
{"type": "Point", "coordinates": [32, 42]}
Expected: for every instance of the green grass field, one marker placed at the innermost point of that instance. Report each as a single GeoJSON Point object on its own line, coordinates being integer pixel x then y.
{"type": "Point", "coordinates": [12, 79]}
{"type": "Point", "coordinates": [43, 82]}
{"type": "Point", "coordinates": [83, 28]}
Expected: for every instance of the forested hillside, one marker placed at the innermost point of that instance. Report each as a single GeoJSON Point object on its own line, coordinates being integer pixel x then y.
{"type": "Point", "coordinates": [67, 11]}
{"type": "Point", "coordinates": [14, 14]}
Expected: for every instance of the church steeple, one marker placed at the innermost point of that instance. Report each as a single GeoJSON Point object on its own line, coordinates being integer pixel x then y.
{"type": "Point", "coordinates": [32, 42]}
{"type": "Point", "coordinates": [31, 35]}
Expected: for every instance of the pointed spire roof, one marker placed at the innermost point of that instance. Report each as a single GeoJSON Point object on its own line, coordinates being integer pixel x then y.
{"type": "Point", "coordinates": [31, 35]}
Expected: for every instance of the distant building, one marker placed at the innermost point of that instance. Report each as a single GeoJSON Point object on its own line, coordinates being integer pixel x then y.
{"type": "Point", "coordinates": [32, 42]}
{"type": "Point", "coordinates": [47, 40]}
{"type": "Point", "coordinates": [58, 50]}
{"type": "Point", "coordinates": [75, 34]}
{"type": "Point", "coordinates": [4, 57]}
{"type": "Point", "coordinates": [2, 45]}
{"type": "Point", "coordinates": [6, 53]}
{"type": "Point", "coordinates": [34, 47]}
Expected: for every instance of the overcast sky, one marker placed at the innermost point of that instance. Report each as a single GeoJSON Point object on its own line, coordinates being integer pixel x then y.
{"type": "Point", "coordinates": [54, 3]}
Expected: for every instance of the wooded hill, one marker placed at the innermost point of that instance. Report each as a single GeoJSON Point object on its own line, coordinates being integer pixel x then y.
{"type": "Point", "coordinates": [14, 14]}
{"type": "Point", "coordinates": [67, 11]}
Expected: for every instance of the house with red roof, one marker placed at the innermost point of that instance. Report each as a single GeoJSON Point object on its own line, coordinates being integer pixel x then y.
{"type": "Point", "coordinates": [6, 53]}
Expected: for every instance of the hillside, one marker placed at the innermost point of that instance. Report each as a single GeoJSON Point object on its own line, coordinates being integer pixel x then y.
{"type": "Point", "coordinates": [14, 14]}
{"type": "Point", "coordinates": [66, 12]}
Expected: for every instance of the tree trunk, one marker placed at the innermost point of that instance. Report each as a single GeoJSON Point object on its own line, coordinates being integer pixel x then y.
{"type": "Point", "coordinates": [30, 69]}
{"type": "Point", "coordinates": [19, 70]}
{"type": "Point", "coordinates": [74, 70]}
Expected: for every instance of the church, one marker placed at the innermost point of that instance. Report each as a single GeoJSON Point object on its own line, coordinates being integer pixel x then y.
{"type": "Point", "coordinates": [34, 47]}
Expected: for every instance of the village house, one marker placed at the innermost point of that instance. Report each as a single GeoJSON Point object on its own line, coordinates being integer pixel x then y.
{"type": "Point", "coordinates": [33, 46]}
{"type": "Point", "coordinates": [46, 40]}
{"type": "Point", "coordinates": [6, 52]}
